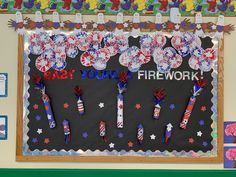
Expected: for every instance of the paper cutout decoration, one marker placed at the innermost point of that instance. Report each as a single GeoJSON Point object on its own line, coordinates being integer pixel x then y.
{"type": "Point", "coordinates": [168, 132]}
{"type": "Point", "coordinates": [3, 84]}
{"type": "Point", "coordinates": [45, 98]}
{"type": "Point", "coordinates": [140, 134]}
{"type": "Point", "coordinates": [122, 86]}
{"type": "Point", "coordinates": [102, 130]}
{"type": "Point", "coordinates": [66, 128]}
{"type": "Point", "coordinates": [159, 95]}
{"type": "Point", "coordinates": [197, 89]}
{"type": "Point", "coordinates": [80, 104]}
{"type": "Point", "coordinates": [3, 127]}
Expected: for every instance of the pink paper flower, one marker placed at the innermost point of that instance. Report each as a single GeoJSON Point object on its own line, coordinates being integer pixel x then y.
{"type": "Point", "coordinates": [231, 154]}
{"type": "Point", "coordinates": [230, 130]}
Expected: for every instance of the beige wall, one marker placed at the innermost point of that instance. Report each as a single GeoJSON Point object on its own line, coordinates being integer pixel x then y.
{"type": "Point", "coordinates": [8, 63]}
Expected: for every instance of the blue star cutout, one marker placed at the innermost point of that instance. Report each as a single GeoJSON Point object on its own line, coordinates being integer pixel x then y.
{"type": "Point", "coordinates": [85, 135]}
{"type": "Point", "coordinates": [38, 118]}
{"type": "Point", "coordinates": [172, 106]}
{"type": "Point", "coordinates": [204, 143]}
{"type": "Point", "coordinates": [34, 140]}
{"type": "Point", "coordinates": [201, 122]}
{"type": "Point", "coordinates": [120, 135]}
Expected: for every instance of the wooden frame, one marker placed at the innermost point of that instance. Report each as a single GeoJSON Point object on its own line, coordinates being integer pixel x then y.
{"type": "Point", "coordinates": [118, 159]}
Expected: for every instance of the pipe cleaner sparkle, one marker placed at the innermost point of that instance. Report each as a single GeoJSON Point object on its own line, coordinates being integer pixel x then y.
{"type": "Point", "coordinates": [122, 86]}
{"type": "Point", "coordinates": [80, 104]}
{"type": "Point", "coordinates": [45, 98]}
{"type": "Point", "coordinates": [140, 133]}
{"type": "Point", "coordinates": [197, 89]}
{"type": "Point", "coordinates": [159, 95]}
{"type": "Point", "coordinates": [66, 128]}
{"type": "Point", "coordinates": [102, 130]}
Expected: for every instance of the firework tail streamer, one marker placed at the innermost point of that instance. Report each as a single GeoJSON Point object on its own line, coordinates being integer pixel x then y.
{"type": "Point", "coordinates": [197, 89]}
{"type": "Point", "coordinates": [159, 95]}
{"type": "Point", "coordinates": [80, 104]}
{"type": "Point", "coordinates": [102, 130]}
{"type": "Point", "coordinates": [140, 132]}
{"type": "Point", "coordinates": [66, 128]}
{"type": "Point", "coordinates": [45, 98]}
{"type": "Point", "coordinates": [122, 86]}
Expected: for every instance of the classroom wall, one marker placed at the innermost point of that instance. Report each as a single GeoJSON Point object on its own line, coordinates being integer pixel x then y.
{"type": "Point", "coordinates": [8, 64]}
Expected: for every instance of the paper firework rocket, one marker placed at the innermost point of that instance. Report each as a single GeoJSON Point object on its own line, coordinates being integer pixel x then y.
{"type": "Point", "coordinates": [168, 133]}
{"type": "Point", "coordinates": [66, 128]}
{"type": "Point", "coordinates": [140, 133]}
{"type": "Point", "coordinates": [80, 104]}
{"type": "Point", "coordinates": [159, 95]}
{"type": "Point", "coordinates": [122, 86]}
{"type": "Point", "coordinates": [45, 98]}
{"type": "Point", "coordinates": [102, 130]}
{"type": "Point", "coordinates": [197, 89]}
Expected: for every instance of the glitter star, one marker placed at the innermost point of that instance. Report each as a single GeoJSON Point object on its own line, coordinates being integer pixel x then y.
{"type": "Point", "coordinates": [153, 137]}
{"type": "Point", "coordinates": [34, 140]}
{"type": "Point", "coordinates": [130, 144]}
{"type": "Point", "coordinates": [120, 135]}
{"type": "Point", "coordinates": [204, 143]}
{"type": "Point", "coordinates": [201, 122]}
{"type": "Point", "coordinates": [203, 108]}
{"type": "Point", "coordinates": [46, 140]}
{"type": "Point", "coordinates": [37, 117]}
{"type": "Point", "coordinates": [66, 105]}
{"type": "Point", "coordinates": [111, 145]}
{"type": "Point", "coordinates": [138, 106]}
{"type": "Point", "coordinates": [85, 135]}
{"type": "Point", "coordinates": [199, 133]}
{"type": "Point", "coordinates": [35, 106]}
{"type": "Point", "coordinates": [39, 131]}
{"type": "Point", "coordinates": [101, 105]}
{"type": "Point", "coordinates": [191, 140]}
{"type": "Point", "coordinates": [172, 106]}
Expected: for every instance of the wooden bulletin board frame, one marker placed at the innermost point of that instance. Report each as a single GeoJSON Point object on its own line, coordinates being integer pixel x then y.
{"type": "Point", "coordinates": [124, 159]}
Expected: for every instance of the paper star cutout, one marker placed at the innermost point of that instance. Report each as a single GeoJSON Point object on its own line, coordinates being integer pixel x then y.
{"type": "Point", "coordinates": [62, 24]}
{"type": "Point", "coordinates": [199, 133]}
{"type": "Point", "coordinates": [213, 27]}
{"type": "Point", "coordinates": [177, 26]}
{"type": "Point", "coordinates": [66, 105]}
{"type": "Point", "coordinates": [84, 26]}
{"type": "Point", "coordinates": [37, 117]}
{"type": "Point", "coordinates": [85, 135]}
{"type": "Point", "coordinates": [35, 106]}
{"type": "Point", "coordinates": [172, 106]}
{"type": "Point", "coordinates": [191, 140]}
{"type": "Point", "coordinates": [198, 26]}
{"type": "Point", "coordinates": [46, 140]}
{"type": "Point", "coordinates": [138, 106]}
{"type": "Point", "coordinates": [169, 127]}
{"type": "Point", "coordinates": [39, 131]}
{"type": "Point", "coordinates": [95, 25]}
{"type": "Point", "coordinates": [111, 145]}
{"type": "Point", "coordinates": [34, 140]}
{"type": "Point", "coordinates": [201, 122]}
{"type": "Point", "coordinates": [203, 108]}
{"type": "Point", "coordinates": [126, 25]}
{"type": "Point", "coordinates": [153, 137]}
{"type": "Point", "coordinates": [204, 143]}
{"type": "Point", "coordinates": [130, 144]}
{"type": "Point", "coordinates": [120, 135]}
{"type": "Point", "coordinates": [101, 105]}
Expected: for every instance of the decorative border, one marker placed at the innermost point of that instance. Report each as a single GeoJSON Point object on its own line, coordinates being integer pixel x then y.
{"type": "Point", "coordinates": [27, 152]}
{"type": "Point", "coordinates": [128, 7]}
{"type": "Point", "coordinates": [6, 126]}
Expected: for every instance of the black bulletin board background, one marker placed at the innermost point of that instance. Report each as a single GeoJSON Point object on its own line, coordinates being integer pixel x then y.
{"type": "Point", "coordinates": [139, 91]}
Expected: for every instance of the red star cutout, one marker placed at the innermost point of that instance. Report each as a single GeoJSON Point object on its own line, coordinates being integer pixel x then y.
{"type": "Point", "coordinates": [138, 106]}
{"type": "Point", "coordinates": [130, 144]}
{"type": "Point", "coordinates": [191, 140]}
{"type": "Point", "coordinates": [46, 140]}
{"type": "Point", "coordinates": [203, 108]}
{"type": "Point", "coordinates": [66, 105]}
{"type": "Point", "coordinates": [35, 106]}
{"type": "Point", "coordinates": [120, 106]}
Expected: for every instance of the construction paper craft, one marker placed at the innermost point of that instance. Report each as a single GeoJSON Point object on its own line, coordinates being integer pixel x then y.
{"type": "Point", "coordinates": [230, 157]}
{"type": "Point", "coordinates": [3, 84]}
{"type": "Point", "coordinates": [3, 127]}
{"type": "Point", "coordinates": [229, 132]}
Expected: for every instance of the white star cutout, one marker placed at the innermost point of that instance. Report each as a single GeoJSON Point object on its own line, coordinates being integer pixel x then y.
{"type": "Point", "coordinates": [126, 25]}
{"type": "Point", "coordinates": [169, 127]}
{"type": "Point", "coordinates": [39, 131]}
{"type": "Point", "coordinates": [62, 24]}
{"type": "Point", "coordinates": [101, 105]}
{"type": "Point", "coordinates": [111, 145]}
{"type": "Point", "coordinates": [199, 133]}
{"type": "Point", "coordinates": [84, 26]}
{"type": "Point", "coordinates": [95, 25]}
{"type": "Point", "coordinates": [153, 137]}
{"type": "Point", "coordinates": [199, 25]}
{"type": "Point", "coordinates": [49, 116]}
{"type": "Point", "coordinates": [213, 27]}
{"type": "Point", "coordinates": [177, 26]}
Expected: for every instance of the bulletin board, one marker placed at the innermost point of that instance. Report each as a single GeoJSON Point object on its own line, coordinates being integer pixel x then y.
{"type": "Point", "coordinates": [200, 142]}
